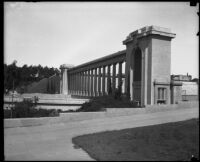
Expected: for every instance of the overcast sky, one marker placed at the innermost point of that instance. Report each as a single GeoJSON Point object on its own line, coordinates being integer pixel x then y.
{"type": "Point", "coordinates": [54, 33]}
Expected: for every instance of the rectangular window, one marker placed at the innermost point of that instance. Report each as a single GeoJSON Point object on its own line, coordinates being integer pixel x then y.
{"type": "Point", "coordinates": [161, 95]}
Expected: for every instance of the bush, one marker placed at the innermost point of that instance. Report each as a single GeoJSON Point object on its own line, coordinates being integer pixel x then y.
{"type": "Point", "coordinates": [27, 109]}
{"type": "Point", "coordinates": [109, 101]}
{"type": "Point", "coordinates": [7, 113]}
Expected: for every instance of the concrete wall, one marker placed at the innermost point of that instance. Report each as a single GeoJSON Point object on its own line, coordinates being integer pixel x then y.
{"type": "Point", "coordinates": [46, 85]}
{"type": "Point", "coordinates": [190, 97]}
{"type": "Point", "coordinates": [53, 84]}
{"type": "Point", "coordinates": [177, 94]}
{"type": "Point", "coordinates": [80, 116]}
{"type": "Point", "coordinates": [38, 87]}
{"type": "Point", "coordinates": [161, 58]}
{"type": "Point", "coordinates": [189, 88]}
{"type": "Point", "coordinates": [161, 63]}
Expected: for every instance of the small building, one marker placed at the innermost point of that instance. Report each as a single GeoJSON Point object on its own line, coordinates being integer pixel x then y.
{"type": "Point", "coordinates": [184, 78]}
{"type": "Point", "coordinates": [189, 88]}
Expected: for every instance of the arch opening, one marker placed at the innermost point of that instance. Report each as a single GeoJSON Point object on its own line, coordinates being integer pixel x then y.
{"type": "Point", "coordinates": [137, 75]}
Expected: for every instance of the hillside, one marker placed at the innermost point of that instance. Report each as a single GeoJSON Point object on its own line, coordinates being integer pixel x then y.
{"type": "Point", "coordinates": [25, 78]}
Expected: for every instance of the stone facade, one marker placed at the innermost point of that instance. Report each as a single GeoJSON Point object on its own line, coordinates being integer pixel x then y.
{"type": "Point", "coordinates": [154, 44]}
{"type": "Point", "coordinates": [189, 89]}
{"type": "Point", "coordinates": [147, 77]}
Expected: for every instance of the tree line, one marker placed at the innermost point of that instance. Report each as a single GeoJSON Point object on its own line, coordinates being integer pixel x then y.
{"type": "Point", "coordinates": [18, 78]}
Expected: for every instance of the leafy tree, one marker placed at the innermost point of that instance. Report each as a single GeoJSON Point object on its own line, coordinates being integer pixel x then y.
{"type": "Point", "coordinates": [25, 75]}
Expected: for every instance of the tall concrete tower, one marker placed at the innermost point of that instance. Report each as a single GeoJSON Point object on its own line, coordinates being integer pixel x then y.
{"type": "Point", "coordinates": [148, 65]}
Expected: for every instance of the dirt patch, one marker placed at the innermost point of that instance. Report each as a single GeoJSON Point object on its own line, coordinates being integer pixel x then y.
{"type": "Point", "coordinates": [171, 141]}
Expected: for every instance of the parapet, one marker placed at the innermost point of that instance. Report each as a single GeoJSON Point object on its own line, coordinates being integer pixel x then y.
{"type": "Point", "coordinates": [149, 30]}
{"type": "Point", "coordinates": [66, 66]}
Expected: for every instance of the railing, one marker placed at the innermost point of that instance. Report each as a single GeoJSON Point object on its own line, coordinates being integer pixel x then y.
{"type": "Point", "coordinates": [95, 78]}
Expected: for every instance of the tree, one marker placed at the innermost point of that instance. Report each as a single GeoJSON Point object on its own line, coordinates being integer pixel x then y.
{"type": "Point", "coordinates": [25, 75]}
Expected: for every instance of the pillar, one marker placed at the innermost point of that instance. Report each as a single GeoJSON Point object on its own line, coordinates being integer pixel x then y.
{"type": "Point", "coordinates": [88, 85]}
{"type": "Point", "coordinates": [108, 81]}
{"type": "Point", "coordinates": [65, 81]}
{"type": "Point", "coordinates": [95, 82]}
{"type": "Point", "coordinates": [99, 81]}
{"type": "Point", "coordinates": [61, 83]}
{"type": "Point", "coordinates": [69, 75]}
{"type": "Point", "coordinates": [71, 83]}
{"type": "Point", "coordinates": [71, 91]}
{"type": "Point", "coordinates": [92, 82]}
{"type": "Point", "coordinates": [103, 81]}
{"type": "Point", "coordinates": [114, 78]}
{"type": "Point", "coordinates": [81, 83]}
{"type": "Point", "coordinates": [75, 81]}
{"type": "Point", "coordinates": [120, 77]}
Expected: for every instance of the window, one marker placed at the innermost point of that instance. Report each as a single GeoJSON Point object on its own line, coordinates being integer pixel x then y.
{"type": "Point", "coordinates": [161, 96]}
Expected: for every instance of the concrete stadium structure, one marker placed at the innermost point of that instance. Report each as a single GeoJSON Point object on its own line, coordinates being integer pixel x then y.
{"type": "Point", "coordinates": [147, 77]}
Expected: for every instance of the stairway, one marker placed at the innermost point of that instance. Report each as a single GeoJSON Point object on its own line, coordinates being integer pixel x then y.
{"type": "Point", "coordinates": [50, 101]}
{"type": "Point", "coordinates": [48, 98]}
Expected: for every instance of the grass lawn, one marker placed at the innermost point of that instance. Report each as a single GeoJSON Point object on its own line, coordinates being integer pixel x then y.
{"type": "Point", "coordinates": [171, 142]}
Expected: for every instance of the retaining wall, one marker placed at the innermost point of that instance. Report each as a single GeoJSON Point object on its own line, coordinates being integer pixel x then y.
{"type": "Point", "coordinates": [80, 116]}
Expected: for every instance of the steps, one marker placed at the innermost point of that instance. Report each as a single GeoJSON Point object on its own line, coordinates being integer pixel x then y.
{"type": "Point", "coordinates": [47, 101]}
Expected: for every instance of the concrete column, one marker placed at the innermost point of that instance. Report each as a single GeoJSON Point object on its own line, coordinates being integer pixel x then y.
{"type": "Point", "coordinates": [75, 85]}
{"type": "Point", "coordinates": [155, 93]}
{"type": "Point", "coordinates": [65, 80]}
{"type": "Point", "coordinates": [142, 98]}
{"type": "Point", "coordinates": [72, 83]}
{"type": "Point", "coordinates": [108, 81]}
{"type": "Point", "coordinates": [69, 88]}
{"type": "Point", "coordinates": [95, 82]}
{"type": "Point", "coordinates": [146, 77]}
{"type": "Point", "coordinates": [99, 81]}
{"type": "Point", "coordinates": [120, 76]}
{"type": "Point", "coordinates": [61, 83]}
{"type": "Point", "coordinates": [114, 78]}
{"type": "Point", "coordinates": [78, 83]}
{"type": "Point", "coordinates": [81, 83]}
{"type": "Point", "coordinates": [103, 81]}
{"type": "Point", "coordinates": [88, 85]}
{"type": "Point", "coordinates": [92, 83]}
{"type": "Point", "coordinates": [85, 83]}
{"type": "Point", "coordinates": [131, 71]}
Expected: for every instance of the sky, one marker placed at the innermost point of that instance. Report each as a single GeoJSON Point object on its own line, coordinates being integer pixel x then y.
{"type": "Point", "coordinates": [55, 33]}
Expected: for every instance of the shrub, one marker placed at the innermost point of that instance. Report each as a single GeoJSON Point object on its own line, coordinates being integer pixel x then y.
{"type": "Point", "coordinates": [27, 109]}
{"type": "Point", "coordinates": [7, 113]}
{"type": "Point", "coordinates": [109, 101]}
